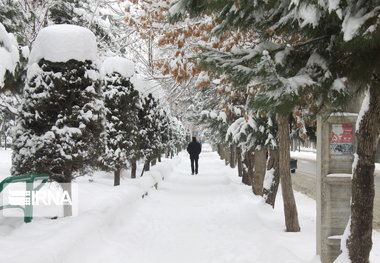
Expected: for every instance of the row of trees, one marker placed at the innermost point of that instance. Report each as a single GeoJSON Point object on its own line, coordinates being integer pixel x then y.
{"type": "Point", "coordinates": [137, 127]}
{"type": "Point", "coordinates": [71, 120]}
{"type": "Point", "coordinates": [298, 58]}
{"type": "Point", "coordinates": [218, 100]}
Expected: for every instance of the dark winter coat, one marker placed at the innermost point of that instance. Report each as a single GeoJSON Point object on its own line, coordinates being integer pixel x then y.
{"type": "Point", "coordinates": [194, 149]}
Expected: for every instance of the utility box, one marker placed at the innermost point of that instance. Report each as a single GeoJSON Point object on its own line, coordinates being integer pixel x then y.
{"type": "Point", "coordinates": [335, 148]}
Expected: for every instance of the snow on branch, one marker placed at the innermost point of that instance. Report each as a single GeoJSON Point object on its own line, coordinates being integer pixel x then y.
{"type": "Point", "coordinates": [9, 55]}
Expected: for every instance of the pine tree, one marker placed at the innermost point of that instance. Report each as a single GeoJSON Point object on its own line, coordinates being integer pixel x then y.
{"type": "Point", "coordinates": [164, 132]}
{"type": "Point", "coordinates": [177, 136]}
{"type": "Point", "coordinates": [122, 104]}
{"type": "Point", "coordinates": [149, 137]}
{"type": "Point", "coordinates": [61, 116]}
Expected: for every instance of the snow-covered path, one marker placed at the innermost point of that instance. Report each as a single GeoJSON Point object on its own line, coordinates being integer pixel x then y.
{"type": "Point", "coordinates": [202, 218]}
{"type": "Point", "coordinates": [208, 218]}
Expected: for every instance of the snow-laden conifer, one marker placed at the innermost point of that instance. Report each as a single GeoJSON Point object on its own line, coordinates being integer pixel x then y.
{"type": "Point", "coordinates": [62, 112]}
{"type": "Point", "coordinates": [149, 136]}
{"type": "Point", "coordinates": [122, 102]}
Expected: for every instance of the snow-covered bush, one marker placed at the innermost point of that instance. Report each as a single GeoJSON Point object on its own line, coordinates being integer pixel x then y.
{"type": "Point", "coordinates": [149, 135]}
{"type": "Point", "coordinates": [178, 135]}
{"type": "Point", "coordinates": [122, 104]}
{"type": "Point", "coordinates": [9, 55]}
{"type": "Point", "coordinates": [62, 111]}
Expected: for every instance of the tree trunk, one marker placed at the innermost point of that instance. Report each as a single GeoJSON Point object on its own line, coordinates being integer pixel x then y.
{"type": "Point", "coordinates": [259, 171]}
{"type": "Point", "coordinates": [359, 242]}
{"type": "Point", "coordinates": [290, 207]}
{"type": "Point", "coordinates": [247, 174]}
{"type": "Point", "coordinates": [147, 165]}
{"type": "Point", "coordinates": [227, 155]}
{"type": "Point", "coordinates": [270, 192]}
{"type": "Point", "coordinates": [239, 161]}
{"type": "Point", "coordinates": [159, 158]}
{"type": "Point", "coordinates": [154, 161]}
{"type": "Point", "coordinates": [133, 168]}
{"type": "Point", "coordinates": [116, 180]}
{"type": "Point", "coordinates": [221, 152]}
{"type": "Point", "coordinates": [233, 156]}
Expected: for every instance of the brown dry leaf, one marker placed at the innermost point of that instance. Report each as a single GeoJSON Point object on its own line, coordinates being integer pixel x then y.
{"type": "Point", "coordinates": [180, 43]}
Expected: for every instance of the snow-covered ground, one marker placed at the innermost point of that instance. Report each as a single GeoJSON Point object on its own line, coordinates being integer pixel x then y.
{"type": "Point", "coordinates": [210, 218]}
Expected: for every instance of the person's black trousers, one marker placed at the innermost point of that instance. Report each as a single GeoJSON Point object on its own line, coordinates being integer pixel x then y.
{"type": "Point", "coordinates": [194, 160]}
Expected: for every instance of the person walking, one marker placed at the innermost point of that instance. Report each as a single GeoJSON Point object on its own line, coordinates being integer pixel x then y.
{"type": "Point", "coordinates": [194, 149]}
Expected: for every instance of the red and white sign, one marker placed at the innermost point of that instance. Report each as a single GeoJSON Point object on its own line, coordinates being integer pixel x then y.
{"type": "Point", "coordinates": [341, 140]}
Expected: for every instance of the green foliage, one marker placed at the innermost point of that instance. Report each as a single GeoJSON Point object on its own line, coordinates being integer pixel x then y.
{"type": "Point", "coordinates": [60, 122]}
{"type": "Point", "coordinates": [149, 138]}
{"type": "Point", "coordinates": [121, 129]}
{"type": "Point", "coordinates": [14, 82]}
{"type": "Point", "coordinates": [14, 19]}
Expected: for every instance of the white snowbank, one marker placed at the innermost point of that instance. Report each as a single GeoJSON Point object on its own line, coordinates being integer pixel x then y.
{"type": "Point", "coordinates": [120, 65]}
{"type": "Point", "coordinates": [9, 55]}
{"type": "Point", "coordinates": [60, 43]}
